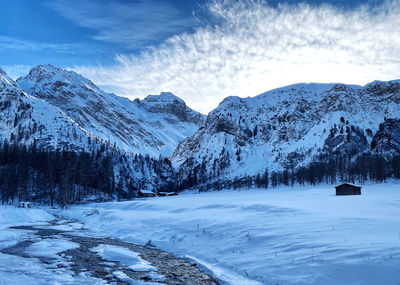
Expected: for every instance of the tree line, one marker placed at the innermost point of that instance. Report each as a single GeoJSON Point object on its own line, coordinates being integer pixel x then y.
{"type": "Point", "coordinates": [46, 176]}
{"type": "Point", "coordinates": [49, 176]}
{"type": "Point", "coordinates": [328, 169]}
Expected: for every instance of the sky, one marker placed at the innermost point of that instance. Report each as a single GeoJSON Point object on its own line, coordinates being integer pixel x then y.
{"type": "Point", "coordinates": [203, 50]}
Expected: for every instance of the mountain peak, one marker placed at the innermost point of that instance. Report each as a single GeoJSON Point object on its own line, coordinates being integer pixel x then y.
{"type": "Point", "coordinates": [45, 67]}
{"type": "Point", "coordinates": [167, 97]}
{"type": "Point", "coordinates": [154, 125]}
{"type": "Point", "coordinates": [42, 72]}
{"type": "Point", "coordinates": [47, 74]}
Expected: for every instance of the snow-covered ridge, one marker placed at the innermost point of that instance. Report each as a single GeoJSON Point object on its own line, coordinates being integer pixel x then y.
{"type": "Point", "coordinates": [48, 72]}
{"type": "Point", "coordinates": [163, 97]}
{"type": "Point", "coordinates": [154, 125]}
{"type": "Point", "coordinates": [287, 127]}
{"type": "Point", "coordinates": [27, 119]}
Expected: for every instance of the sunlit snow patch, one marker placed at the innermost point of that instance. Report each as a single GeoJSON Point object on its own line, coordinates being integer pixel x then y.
{"type": "Point", "coordinates": [50, 247]}
{"type": "Point", "coordinates": [223, 274]}
{"type": "Point", "coordinates": [125, 278]}
{"type": "Point", "coordinates": [124, 256]}
{"type": "Point", "coordinates": [155, 276]}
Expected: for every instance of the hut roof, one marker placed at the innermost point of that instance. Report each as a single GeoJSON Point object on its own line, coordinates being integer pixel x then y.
{"type": "Point", "coordinates": [146, 192]}
{"type": "Point", "coordinates": [347, 185]}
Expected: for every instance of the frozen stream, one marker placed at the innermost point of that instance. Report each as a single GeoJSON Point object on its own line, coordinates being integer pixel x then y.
{"type": "Point", "coordinates": [65, 248]}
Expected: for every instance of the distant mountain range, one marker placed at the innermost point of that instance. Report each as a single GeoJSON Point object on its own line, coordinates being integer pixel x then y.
{"type": "Point", "coordinates": [292, 127]}
{"type": "Point", "coordinates": [154, 125]}
{"type": "Point", "coordinates": [280, 130]}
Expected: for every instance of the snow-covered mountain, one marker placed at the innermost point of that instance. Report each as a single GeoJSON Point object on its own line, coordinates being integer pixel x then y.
{"type": "Point", "coordinates": [289, 127]}
{"type": "Point", "coordinates": [27, 119]}
{"type": "Point", "coordinates": [154, 125]}
{"type": "Point", "coordinates": [282, 129]}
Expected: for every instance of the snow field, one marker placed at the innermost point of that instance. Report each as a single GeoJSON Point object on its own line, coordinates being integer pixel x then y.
{"type": "Point", "coordinates": [11, 216]}
{"type": "Point", "coordinates": [18, 270]}
{"type": "Point", "coordinates": [304, 235]}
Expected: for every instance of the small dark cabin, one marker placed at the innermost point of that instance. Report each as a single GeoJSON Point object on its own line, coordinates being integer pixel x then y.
{"type": "Point", "coordinates": [348, 189]}
{"type": "Point", "coordinates": [146, 193]}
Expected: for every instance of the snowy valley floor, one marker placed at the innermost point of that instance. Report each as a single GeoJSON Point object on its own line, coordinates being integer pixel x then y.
{"type": "Point", "coordinates": [304, 235]}
{"type": "Point", "coordinates": [62, 251]}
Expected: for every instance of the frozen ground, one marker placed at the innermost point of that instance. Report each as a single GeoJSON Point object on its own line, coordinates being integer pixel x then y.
{"type": "Point", "coordinates": [27, 268]}
{"type": "Point", "coordinates": [283, 236]}
{"type": "Point", "coordinates": [39, 248]}
{"type": "Point", "coordinates": [11, 216]}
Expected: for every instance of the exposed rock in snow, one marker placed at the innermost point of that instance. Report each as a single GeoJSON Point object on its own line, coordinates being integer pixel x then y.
{"type": "Point", "coordinates": [387, 139]}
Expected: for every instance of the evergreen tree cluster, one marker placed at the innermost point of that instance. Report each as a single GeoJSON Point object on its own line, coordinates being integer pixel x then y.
{"type": "Point", "coordinates": [47, 176]}
{"type": "Point", "coordinates": [336, 168]}
{"type": "Point", "coordinates": [138, 172]}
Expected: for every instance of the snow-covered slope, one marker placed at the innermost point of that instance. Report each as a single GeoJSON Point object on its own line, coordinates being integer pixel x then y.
{"type": "Point", "coordinates": [27, 119]}
{"type": "Point", "coordinates": [283, 236]}
{"type": "Point", "coordinates": [152, 126]}
{"type": "Point", "coordinates": [287, 127]}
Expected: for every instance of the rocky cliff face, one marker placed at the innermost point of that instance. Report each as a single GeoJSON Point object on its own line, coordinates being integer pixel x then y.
{"type": "Point", "coordinates": [152, 126]}
{"type": "Point", "coordinates": [387, 139]}
{"type": "Point", "coordinates": [289, 127]}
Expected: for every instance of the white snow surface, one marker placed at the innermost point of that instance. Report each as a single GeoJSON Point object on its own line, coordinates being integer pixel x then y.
{"type": "Point", "coordinates": [301, 235]}
{"type": "Point", "coordinates": [124, 256]}
{"type": "Point", "coordinates": [51, 247]}
{"type": "Point", "coordinates": [18, 270]}
{"type": "Point", "coordinates": [125, 278]}
{"type": "Point", "coordinates": [12, 216]}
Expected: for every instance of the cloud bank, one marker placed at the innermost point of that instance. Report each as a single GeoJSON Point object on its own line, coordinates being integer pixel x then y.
{"type": "Point", "coordinates": [247, 47]}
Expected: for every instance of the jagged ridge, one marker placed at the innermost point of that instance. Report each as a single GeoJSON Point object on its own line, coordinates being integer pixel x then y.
{"type": "Point", "coordinates": [154, 125]}
{"type": "Point", "coordinates": [286, 128]}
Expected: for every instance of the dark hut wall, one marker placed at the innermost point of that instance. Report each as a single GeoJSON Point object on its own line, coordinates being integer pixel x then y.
{"type": "Point", "coordinates": [347, 189]}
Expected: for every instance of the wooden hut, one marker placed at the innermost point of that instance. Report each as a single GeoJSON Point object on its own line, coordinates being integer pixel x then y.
{"type": "Point", "coordinates": [146, 193]}
{"type": "Point", "coordinates": [347, 189]}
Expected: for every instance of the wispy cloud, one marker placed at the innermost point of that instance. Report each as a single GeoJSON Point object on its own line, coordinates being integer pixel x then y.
{"type": "Point", "coordinates": [134, 23]}
{"type": "Point", "coordinates": [255, 47]}
{"type": "Point", "coordinates": [18, 45]}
